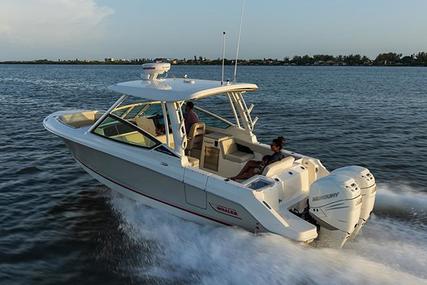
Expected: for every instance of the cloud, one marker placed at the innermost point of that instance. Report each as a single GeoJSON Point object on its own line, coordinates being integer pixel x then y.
{"type": "Point", "coordinates": [41, 24]}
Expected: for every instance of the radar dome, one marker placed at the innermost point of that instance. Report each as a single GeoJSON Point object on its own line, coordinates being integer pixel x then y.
{"type": "Point", "coordinates": [152, 70]}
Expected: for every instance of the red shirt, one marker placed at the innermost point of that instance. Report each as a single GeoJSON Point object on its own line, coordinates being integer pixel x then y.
{"type": "Point", "coordinates": [190, 118]}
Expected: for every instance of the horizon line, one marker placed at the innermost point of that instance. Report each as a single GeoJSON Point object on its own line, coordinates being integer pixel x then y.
{"type": "Point", "coordinates": [199, 57]}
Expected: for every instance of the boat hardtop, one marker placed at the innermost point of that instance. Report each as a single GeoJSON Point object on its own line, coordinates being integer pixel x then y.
{"type": "Point", "coordinates": [178, 89]}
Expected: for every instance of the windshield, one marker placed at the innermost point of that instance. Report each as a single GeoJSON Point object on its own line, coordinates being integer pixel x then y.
{"type": "Point", "coordinates": [114, 128]}
{"type": "Point", "coordinates": [147, 116]}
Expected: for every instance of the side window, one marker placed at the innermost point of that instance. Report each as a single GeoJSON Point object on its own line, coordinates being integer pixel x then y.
{"type": "Point", "coordinates": [119, 112]}
{"type": "Point", "coordinates": [215, 111]}
{"type": "Point", "coordinates": [135, 111]}
{"type": "Point", "coordinates": [152, 120]}
{"type": "Point", "coordinates": [129, 112]}
{"type": "Point", "coordinates": [153, 110]}
{"type": "Point", "coordinates": [122, 131]}
{"type": "Point", "coordinates": [211, 120]}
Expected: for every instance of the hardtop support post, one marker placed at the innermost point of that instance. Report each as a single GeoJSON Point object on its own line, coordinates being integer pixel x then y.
{"type": "Point", "coordinates": [117, 103]}
{"type": "Point", "coordinates": [178, 127]}
{"type": "Point", "coordinates": [165, 118]}
{"type": "Point", "coordinates": [241, 108]}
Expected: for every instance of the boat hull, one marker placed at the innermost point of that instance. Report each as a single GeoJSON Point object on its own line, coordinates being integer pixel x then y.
{"type": "Point", "coordinates": [184, 214]}
{"type": "Point", "coordinates": [160, 191]}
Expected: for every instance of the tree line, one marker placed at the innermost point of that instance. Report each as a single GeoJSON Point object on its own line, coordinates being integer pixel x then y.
{"type": "Point", "coordinates": [383, 59]}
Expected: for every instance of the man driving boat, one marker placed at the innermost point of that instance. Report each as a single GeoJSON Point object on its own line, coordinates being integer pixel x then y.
{"type": "Point", "coordinates": [190, 117]}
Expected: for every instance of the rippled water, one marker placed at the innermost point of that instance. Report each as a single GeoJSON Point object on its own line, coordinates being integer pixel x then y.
{"type": "Point", "coordinates": [58, 225]}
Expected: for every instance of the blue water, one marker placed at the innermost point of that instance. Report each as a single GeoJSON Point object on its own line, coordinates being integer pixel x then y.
{"type": "Point", "coordinates": [60, 226]}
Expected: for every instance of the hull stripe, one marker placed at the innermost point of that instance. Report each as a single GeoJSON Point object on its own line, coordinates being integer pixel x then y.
{"type": "Point", "coordinates": [155, 199]}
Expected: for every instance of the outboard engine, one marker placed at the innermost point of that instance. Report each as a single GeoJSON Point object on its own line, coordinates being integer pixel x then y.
{"type": "Point", "coordinates": [335, 202]}
{"type": "Point", "coordinates": [366, 182]}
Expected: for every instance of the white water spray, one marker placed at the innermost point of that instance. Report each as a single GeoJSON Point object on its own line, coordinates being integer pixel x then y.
{"type": "Point", "coordinates": [387, 250]}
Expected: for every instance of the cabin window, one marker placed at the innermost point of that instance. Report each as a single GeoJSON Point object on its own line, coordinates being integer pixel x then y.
{"type": "Point", "coordinates": [120, 130]}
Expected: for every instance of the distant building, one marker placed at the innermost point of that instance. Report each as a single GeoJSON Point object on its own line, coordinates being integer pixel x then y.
{"type": "Point", "coordinates": [109, 59]}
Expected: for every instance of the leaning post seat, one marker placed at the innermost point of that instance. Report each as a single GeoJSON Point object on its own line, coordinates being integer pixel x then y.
{"type": "Point", "coordinates": [230, 151]}
{"type": "Point", "coordinates": [193, 162]}
{"type": "Point", "coordinates": [277, 167]}
{"type": "Point", "coordinates": [195, 139]}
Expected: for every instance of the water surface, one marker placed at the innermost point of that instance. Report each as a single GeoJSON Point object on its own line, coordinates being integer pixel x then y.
{"type": "Point", "coordinates": [60, 226]}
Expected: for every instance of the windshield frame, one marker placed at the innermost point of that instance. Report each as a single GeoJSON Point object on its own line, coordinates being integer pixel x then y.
{"type": "Point", "coordinates": [154, 139]}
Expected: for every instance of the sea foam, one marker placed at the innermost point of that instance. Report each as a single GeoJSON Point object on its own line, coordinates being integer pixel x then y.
{"type": "Point", "coordinates": [387, 251]}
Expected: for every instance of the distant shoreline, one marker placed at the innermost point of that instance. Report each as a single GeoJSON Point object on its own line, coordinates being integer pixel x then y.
{"type": "Point", "coordinates": [383, 59]}
{"type": "Point", "coordinates": [206, 64]}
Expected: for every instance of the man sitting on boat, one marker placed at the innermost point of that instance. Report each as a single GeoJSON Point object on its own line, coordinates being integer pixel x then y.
{"type": "Point", "coordinates": [254, 167]}
{"type": "Point", "coordinates": [190, 117]}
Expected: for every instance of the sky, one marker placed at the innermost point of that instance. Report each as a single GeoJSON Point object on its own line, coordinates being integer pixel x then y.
{"type": "Point", "coordinates": [95, 29]}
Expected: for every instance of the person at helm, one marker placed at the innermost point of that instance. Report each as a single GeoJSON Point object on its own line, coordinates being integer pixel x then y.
{"type": "Point", "coordinates": [190, 117]}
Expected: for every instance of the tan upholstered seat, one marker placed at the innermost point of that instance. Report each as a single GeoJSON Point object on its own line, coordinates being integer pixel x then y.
{"type": "Point", "coordinates": [80, 119]}
{"type": "Point", "coordinates": [312, 170]}
{"type": "Point", "coordinates": [194, 162]}
{"type": "Point", "coordinates": [146, 124]}
{"type": "Point", "coordinates": [163, 139]}
{"type": "Point", "coordinates": [195, 140]}
{"type": "Point", "coordinates": [230, 151]}
{"type": "Point", "coordinates": [279, 166]}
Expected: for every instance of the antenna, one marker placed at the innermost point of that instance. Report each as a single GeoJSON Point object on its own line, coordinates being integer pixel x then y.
{"type": "Point", "coordinates": [238, 41]}
{"type": "Point", "coordinates": [223, 58]}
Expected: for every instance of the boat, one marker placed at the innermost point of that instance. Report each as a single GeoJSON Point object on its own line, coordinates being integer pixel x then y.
{"type": "Point", "coordinates": [141, 148]}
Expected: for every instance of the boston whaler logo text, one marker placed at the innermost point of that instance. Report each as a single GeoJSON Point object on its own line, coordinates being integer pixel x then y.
{"type": "Point", "coordinates": [225, 210]}
{"type": "Point", "coordinates": [326, 196]}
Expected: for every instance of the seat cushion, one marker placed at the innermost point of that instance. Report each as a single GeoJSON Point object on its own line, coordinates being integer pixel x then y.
{"type": "Point", "coordinates": [196, 153]}
{"type": "Point", "coordinates": [279, 166]}
{"type": "Point", "coordinates": [194, 162]}
{"type": "Point", "coordinates": [239, 156]}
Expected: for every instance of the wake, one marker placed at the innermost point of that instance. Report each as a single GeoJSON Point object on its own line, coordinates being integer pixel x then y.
{"type": "Point", "coordinates": [401, 201]}
{"type": "Point", "coordinates": [388, 250]}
